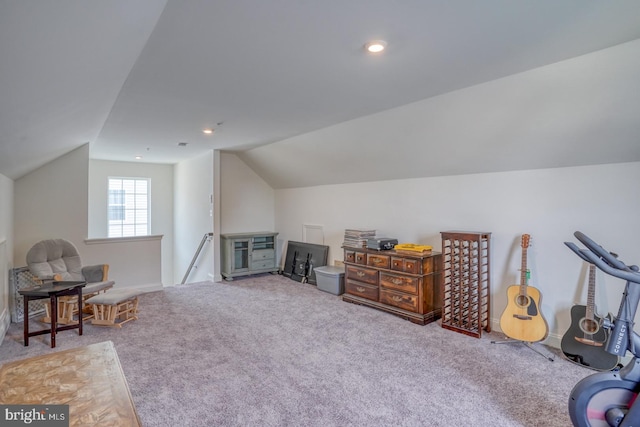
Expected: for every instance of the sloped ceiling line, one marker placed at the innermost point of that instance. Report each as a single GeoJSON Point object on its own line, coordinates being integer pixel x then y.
{"type": "Point", "coordinates": [137, 77]}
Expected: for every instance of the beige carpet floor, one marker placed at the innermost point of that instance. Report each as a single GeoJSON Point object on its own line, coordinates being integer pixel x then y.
{"type": "Point", "coordinates": [268, 351]}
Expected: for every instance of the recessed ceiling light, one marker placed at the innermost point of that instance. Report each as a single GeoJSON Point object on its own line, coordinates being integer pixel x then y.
{"type": "Point", "coordinates": [375, 46]}
{"type": "Point", "coordinates": [207, 131]}
{"type": "Point", "coordinates": [138, 157]}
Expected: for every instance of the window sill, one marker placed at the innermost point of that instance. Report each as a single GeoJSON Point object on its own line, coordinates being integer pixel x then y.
{"type": "Point", "coordinates": [102, 240]}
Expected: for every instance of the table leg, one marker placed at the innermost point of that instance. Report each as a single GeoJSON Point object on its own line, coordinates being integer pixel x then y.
{"type": "Point", "coordinates": [80, 311]}
{"type": "Point", "coordinates": [54, 319]}
{"type": "Point", "coordinates": [25, 300]}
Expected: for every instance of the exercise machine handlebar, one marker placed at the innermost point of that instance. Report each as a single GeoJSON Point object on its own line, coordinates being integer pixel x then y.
{"type": "Point", "coordinates": [604, 260]}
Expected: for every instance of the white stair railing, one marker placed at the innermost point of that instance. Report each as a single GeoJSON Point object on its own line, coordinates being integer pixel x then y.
{"type": "Point", "coordinates": [206, 237]}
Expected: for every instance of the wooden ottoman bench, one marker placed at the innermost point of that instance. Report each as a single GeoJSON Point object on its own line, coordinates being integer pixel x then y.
{"type": "Point", "coordinates": [114, 307]}
{"type": "Point", "coordinates": [68, 306]}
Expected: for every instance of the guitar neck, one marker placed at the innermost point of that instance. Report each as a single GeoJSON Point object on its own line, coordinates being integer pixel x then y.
{"type": "Point", "coordinates": [524, 273]}
{"type": "Point", "coordinates": [591, 293]}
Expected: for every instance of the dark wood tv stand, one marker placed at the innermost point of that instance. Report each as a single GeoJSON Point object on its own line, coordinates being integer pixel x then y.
{"type": "Point", "coordinates": [402, 284]}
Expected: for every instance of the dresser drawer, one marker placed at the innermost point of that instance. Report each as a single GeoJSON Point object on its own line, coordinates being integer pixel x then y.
{"type": "Point", "coordinates": [262, 264]}
{"type": "Point", "coordinates": [400, 283]}
{"type": "Point", "coordinates": [397, 263]}
{"type": "Point", "coordinates": [362, 290]}
{"type": "Point", "coordinates": [361, 258]}
{"type": "Point", "coordinates": [378, 261]}
{"type": "Point", "coordinates": [406, 265]}
{"type": "Point", "coordinates": [366, 275]}
{"type": "Point", "coordinates": [263, 254]}
{"type": "Point", "coordinates": [349, 256]}
{"type": "Point", "coordinates": [400, 300]}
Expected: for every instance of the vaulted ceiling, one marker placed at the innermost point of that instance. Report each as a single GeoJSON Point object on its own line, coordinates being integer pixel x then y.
{"type": "Point", "coordinates": [145, 77]}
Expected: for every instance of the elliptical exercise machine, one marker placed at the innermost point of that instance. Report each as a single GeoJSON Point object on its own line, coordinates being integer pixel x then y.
{"type": "Point", "coordinates": [609, 398]}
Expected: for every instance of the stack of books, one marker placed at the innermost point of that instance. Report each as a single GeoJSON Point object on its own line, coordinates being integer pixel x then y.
{"type": "Point", "coordinates": [357, 238]}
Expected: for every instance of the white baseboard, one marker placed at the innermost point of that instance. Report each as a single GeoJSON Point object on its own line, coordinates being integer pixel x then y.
{"type": "Point", "coordinates": [553, 340]}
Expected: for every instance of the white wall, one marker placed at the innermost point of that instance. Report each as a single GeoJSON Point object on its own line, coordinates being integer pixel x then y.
{"type": "Point", "coordinates": [52, 202]}
{"type": "Point", "coordinates": [6, 250]}
{"type": "Point", "coordinates": [550, 204]}
{"type": "Point", "coordinates": [219, 193]}
{"type": "Point", "coordinates": [161, 199]}
{"type": "Point", "coordinates": [193, 217]}
{"type": "Point", "coordinates": [134, 262]}
{"type": "Point", "coordinates": [247, 201]}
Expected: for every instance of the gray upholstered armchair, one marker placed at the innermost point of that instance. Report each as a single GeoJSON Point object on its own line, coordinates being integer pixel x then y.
{"type": "Point", "coordinates": [58, 260]}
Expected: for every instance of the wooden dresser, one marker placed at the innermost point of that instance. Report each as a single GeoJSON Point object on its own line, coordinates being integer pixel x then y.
{"type": "Point", "coordinates": [406, 285]}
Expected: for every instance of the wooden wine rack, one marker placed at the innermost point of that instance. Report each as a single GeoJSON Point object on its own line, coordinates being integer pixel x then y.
{"type": "Point", "coordinates": [465, 280]}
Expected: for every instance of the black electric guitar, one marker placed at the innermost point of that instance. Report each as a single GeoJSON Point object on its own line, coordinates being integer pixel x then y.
{"type": "Point", "coordinates": [585, 340]}
{"type": "Point", "coordinates": [522, 319]}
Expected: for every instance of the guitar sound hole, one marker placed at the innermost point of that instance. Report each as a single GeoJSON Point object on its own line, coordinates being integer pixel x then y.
{"type": "Point", "coordinates": [522, 300]}
{"type": "Point", "coordinates": [589, 326]}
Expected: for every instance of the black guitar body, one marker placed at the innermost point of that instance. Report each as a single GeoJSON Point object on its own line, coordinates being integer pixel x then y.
{"type": "Point", "coordinates": [585, 340]}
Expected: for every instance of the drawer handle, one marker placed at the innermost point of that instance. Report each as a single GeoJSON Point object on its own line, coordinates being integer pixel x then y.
{"type": "Point", "coordinates": [378, 261]}
{"type": "Point", "coordinates": [360, 273]}
{"type": "Point", "coordinates": [396, 298]}
{"type": "Point", "coordinates": [397, 281]}
{"type": "Point", "coordinates": [360, 289]}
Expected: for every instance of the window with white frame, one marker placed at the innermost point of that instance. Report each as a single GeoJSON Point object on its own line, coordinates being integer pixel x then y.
{"type": "Point", "coordinates": [128, 207]}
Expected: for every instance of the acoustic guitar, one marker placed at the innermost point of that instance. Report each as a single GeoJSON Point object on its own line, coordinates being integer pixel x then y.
{"type": "Point", "coordinates": [584, 342]}
{"type": "Point", "coordinates": [522, 319]}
